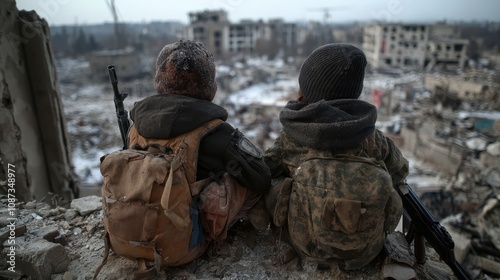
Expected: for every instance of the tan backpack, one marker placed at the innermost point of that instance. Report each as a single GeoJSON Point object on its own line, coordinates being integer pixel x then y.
{"type": "Point", "coordinates": [149, 212]}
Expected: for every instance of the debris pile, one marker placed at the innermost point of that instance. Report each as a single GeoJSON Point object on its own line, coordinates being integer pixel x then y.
{"type": "Point", "coordinates": [54, 242]}
{"type": "Point", "coordinates": [51, 240]}
{"type": "Point", "coordinates": [477, 238]}
{"type": "Point", "coordinates": [450, 151]}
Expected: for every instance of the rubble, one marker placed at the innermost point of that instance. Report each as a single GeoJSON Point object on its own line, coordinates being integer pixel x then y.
{"type": "Point", "coordinates": [63, 246]}
{"type": "Point", "coordinates": [400, 260]}
{"type": "Point", "coordinates": [489, 222]}
{"type": "Point", "coordinates": [452, 167]}
{"type": "Point", "coordinates": [40, 258]}
{"type": "Point", "coordinates": [486, 264]}
{"type": "Point", "coordinates": [494, 149]}
{"type": "Point", "coordinates": [462, 243]}
{"type": "Point", "coordinates": [86, 205]}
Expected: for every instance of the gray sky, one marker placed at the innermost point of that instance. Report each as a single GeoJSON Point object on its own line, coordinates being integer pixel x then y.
{"type": "Point", "coordinates": [58, 12]}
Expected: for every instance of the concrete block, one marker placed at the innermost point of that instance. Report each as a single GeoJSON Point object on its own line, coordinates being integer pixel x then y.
{"type": "Point", "coordinates": [87, 205]}
{"type": "Point", "coordinates": [40, 258]}
{"type": "Point", "coordinates": [462, 243]}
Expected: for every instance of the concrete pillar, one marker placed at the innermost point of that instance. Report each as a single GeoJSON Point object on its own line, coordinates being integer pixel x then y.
{"type": "Point", "coordinates": [33, 136]}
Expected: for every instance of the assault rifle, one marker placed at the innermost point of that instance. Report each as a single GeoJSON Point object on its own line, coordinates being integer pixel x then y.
{"type": "Point", "coordinates": [424, 225]}
{"type": "Point", "coordinates": [121, 113]}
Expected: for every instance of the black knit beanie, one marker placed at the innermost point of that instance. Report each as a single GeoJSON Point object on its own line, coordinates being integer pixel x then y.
{"type": "Point", "coordinates": [333, 71]}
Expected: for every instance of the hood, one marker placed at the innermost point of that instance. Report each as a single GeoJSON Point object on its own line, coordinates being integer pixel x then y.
{"type": "Point", "coordinates": [334, 124]}
{"type": "Point", "coordinates": [167, 115]}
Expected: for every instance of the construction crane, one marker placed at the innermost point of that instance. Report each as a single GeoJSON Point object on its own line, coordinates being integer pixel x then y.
{"type": "Point", "coordinates": [324, 30]}
{"type": "Point", "coordinates": [327, 12]}
{"type": "Point", "coordinates": [112, 8]}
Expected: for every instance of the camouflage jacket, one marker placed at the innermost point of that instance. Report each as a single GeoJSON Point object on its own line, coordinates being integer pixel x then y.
{"type": "Point", "coordinates": [289, 150]}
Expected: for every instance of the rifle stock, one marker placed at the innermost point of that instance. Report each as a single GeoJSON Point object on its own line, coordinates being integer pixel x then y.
{"type": "Point", "coordinates": [423, 224]}
{"type": "Point", "coordinates": [121, 113]}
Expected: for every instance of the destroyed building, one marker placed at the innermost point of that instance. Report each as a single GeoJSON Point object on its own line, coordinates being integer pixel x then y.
{"type": "Point", "coordinates": [223, 38]}
{"type": "Point", "coordinates": [127, 62]}
{"type": "Point", "coordinates": [465, 88]}
{"type": "Point", "coordinates": [413, 46]}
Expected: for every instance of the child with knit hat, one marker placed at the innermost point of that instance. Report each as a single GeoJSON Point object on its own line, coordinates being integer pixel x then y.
{"type": "Point", "coordinates": [185, 85]}
{"type": "Point", "coordinates": [327, 196]}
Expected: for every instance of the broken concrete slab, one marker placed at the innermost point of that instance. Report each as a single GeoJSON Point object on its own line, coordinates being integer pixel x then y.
{"type": "Point", "coordinates": [400, 260]}
{"type": "Point", "coordinates": [70, 214]}
{"type": "Point", "coordinates": [433, 270]}
{"type": "Point", "coordinates": [5, 216]}
{"type": "Point", "coordinates": [19, 230]}
{"type": "Point", "coordinates": [398, 271]}
{"type": "Point", "coordinates": [48, 233]}
{"type": "Point", "coordinates": [494, 149]}
{"type": "Point", "coordinates": [493, 179]}
{"type": "Point", "coordinates": [485, 264]}
{"type": "Point", "coordinates": [87, 205]}
{"type": "Point", "coordinates": [7, 274]}
{"type": "Point", "coordinates": [398, 249]}
{"type": "Point", "coordinates": [40, 258]}
{"type": "Point", "coordinates": [488, 222]}
{"type": "Point", "coordinates": [462, 243]}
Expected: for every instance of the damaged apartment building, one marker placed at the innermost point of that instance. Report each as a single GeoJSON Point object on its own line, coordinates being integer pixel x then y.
{"type": "Point", "coordinates": [454, 120]}
{"type": "Point", "coordinates": [413, 46]}
{"type": "Point", "coordinates": [224, 38]}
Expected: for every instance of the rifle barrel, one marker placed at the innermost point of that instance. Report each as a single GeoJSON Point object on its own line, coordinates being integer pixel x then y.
{"type": "Point", "coordinates": [121, 113]}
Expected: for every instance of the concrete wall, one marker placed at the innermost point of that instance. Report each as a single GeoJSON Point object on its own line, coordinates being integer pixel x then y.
{"type": "Point", "coordinates": [488, 160]}
{"type": "Point", "coordinates": [422, 144]}
{"type": "Point", "coordinates": [395, 45]}
{"type": "Point", "coordinates": [466, 90]}
{"type": "Point", "coordinates": [33, 128]}
{"type": "Point", "coordinates": [444, 51]}
{"type": "Point", "coordinates": [127, 64]}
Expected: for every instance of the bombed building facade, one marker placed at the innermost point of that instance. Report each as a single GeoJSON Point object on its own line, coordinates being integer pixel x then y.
{"type": "Point", "coordinates": [222, 37]}
{"type": "Point", "coordinates": [413, 46]}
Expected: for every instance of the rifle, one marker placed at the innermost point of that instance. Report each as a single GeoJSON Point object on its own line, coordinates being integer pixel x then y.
{"type": "Point", "coordinates": [424, 225]}
{"type": "Point", "coordinates": [121, 113]}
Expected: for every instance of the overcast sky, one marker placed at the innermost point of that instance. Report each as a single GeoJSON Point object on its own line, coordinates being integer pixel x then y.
{"type": "Point", "coordinates": [58, 12]}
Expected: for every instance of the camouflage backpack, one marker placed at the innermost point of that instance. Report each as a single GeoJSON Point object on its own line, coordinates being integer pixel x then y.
{"type": "Point", "coordinates": [150, 214]}
{"type": "Point", "coordinates": [334, 208]}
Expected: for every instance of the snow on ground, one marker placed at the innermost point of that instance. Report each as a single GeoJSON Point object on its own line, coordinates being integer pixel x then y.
{"type": "Point", "coordinates": [276, 94]}
{"type": "Point", "coordinates": [92, 126]}
{"type": "Point", "coordinates": [495, 115]}
{"type": "Point", "coordinates": [91, 118]}
{"type": "Point", "coordinates": [93, 131]}
{"type": "Point", "coordinates": [382, 81]}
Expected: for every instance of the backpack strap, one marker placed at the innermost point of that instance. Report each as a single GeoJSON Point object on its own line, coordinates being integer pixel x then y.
{"type": "Point", "coordinates": [105, 257]}
{"type": "Point", "coordinates": [190, 158]}
{"type": "Point", "coordinates": [145, 273]}
{"type": "Point", "coordinates": [348, 158]}
{"type": "Point", "coordinates": [280, 213]}
{"type": "Point", "coordinates": [186, 156]}
{"type": "Point", "coordinates": [193, 140]}
{"type": "Point", "coordinates": [176, 163]}
{"type": "Point", "coordinates": [367, 160]}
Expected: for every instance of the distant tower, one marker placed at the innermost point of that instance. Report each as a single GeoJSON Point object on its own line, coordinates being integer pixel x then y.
{"type": "Point", "coordinates": [210, 28]}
